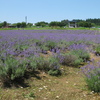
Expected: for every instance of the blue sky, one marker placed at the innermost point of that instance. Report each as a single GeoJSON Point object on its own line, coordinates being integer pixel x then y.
{"type": "Point", "coordinates": [14, 11]}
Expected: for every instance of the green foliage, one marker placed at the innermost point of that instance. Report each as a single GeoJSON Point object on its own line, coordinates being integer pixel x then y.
{"type": "Point", "coordinates": [11, 69]}
{"type": "Point", "coordinates": [45, 48]}
{"type": "Point", "coordinates": [55, 72]}
{"type": "Point", "coordinates": [38, 62]}
{"type": "Point", "coordinates": [53, 63]}
{"type": "Point", "coordinates": [41, 24]}
{"type": "Point", "coordinates": [4, 24]}
{"type": "Point", "coordinates": [64, 22]}
{"type": "Point", "coordinates": [29, 95]}
{"type": "Point", "coordinates": [95, 21]}
{"type": "Point", "coordinates": [29, 24]}
{"type": "Point", "coordinates": [54, 67]}
{"type": "Point", "coordinates": [23, 24]}
{"type": "Point", "coordinates": [64, 44]}
{"type": "Point", "coordinates": [85, 24]}
{"type": "Point", "coordinates": [20, 47]}
{"type": "Point", "coordinates": [18, 25]}
{"type": "Point", "coordinates": [92, 76]}
{"type": "Point", "coordinates": [93, 83]}
{"type": "Point", "coordinates": [81, 54]}
{"type": "Point", "coordinates": [97, 50]}
{"type": "Point", "coordinates": [1, 25]}
{"type": "Point", "coordinates": [71, 60]}
{"type": "Point", "coordinates": [50, 44]}
{"type": "Point", "coordinates": [55, 23]}
{"type": "Point", "coordinates": [44, 64]}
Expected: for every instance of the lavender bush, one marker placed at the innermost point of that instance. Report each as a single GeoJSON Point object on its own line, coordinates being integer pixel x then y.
{"type": "Point", "coordinates": [92, 76]}
{"type": "Point", "coordinates": [54, 67]}
{"type": "Point", "coordinates": [39, 63]}
{"type": "Point", "coordinates": [11, 69]}
{"type": "Point", "coordinates": [81, 54]}
{"type": "Point", "coordinates": [48, 65]}
{"type": "Point", "coordinates": [97, 50]}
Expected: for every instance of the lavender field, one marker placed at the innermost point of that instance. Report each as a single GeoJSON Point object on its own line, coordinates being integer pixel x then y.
{"type": "Point", "coordinates": [23, 51]}
{"type": "Point", "coordinates": [29, 42]}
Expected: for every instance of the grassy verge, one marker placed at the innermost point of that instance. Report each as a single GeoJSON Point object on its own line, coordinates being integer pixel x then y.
{"type": "Point", "coordinates": [49, 28]}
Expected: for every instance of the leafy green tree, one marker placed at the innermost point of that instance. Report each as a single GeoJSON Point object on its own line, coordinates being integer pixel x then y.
{"type": "Point", "coordinates": [85, 24]}
{"type": "Point", "coordinates": [29, 25]}
{"type": "Point", "coordinates": [64, 22]}
{"type": "Point", "coordinates": [96, 21]}
{"type": "Point", "coordinates": [18, 25]}
{"type": "Point", "coordinates": [1, 25]}
{"type": "Point", "coordinates": [23, 24]}
{"type": "Point", "coordinates": [42, 23]}
{"type": "Point", "coordinates": [4, 24]}
{"type": "Point", "coordinates": [54, 23]}
{"type": "Point", "coordinates": [61, 24]}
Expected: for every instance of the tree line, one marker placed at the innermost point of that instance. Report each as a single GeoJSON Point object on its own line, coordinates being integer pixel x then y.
{"type": "Point", "coordinates": [80, 23]}
{"type": "Point", "coordinates": [15, 25]}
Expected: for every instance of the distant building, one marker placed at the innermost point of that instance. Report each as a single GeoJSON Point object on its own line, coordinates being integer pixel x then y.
{"type": "Point", "coordinates": [11, 26]}
{"type": "Point", "coordinates": [72, 24]}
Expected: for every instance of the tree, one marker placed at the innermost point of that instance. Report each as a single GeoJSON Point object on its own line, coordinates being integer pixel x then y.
{"type": "Point", "coordinates": [29, 25]}
{"type": "Point", "coordinates": [23, 24]}
{"type": "Point", "coordinates": [64, 22]}
{"type": "Point", "coordinates": [54, 23]}
{"type": "Point", "coordinates": [61, 24]}
{"type": "Point", "coordinates": [18, 25]}
{"type": "Point", "coordinates": [1, 25]}
{"type": "Point", "coordinates": [4, 24]}
{"type": "Point", "coordinates": [42, 23]}
{"type": "Point", "coordinates": [85, 24]}
{"type": "Point", "coordinates": [95, 21]}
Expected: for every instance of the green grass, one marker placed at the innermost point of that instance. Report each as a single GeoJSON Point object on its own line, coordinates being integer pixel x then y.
{"type": "Point", "coordinates": [49, 28]}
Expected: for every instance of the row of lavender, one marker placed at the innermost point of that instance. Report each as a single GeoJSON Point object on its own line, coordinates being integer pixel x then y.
{"type": "Point", "coordinates": [22, 50]}
{"type": "Point", "coordinates": [29, 41]}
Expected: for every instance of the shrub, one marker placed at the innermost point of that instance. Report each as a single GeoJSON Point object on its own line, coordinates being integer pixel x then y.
{"type": "Point", "coordinates": [63, 44]}
{"type": "Point", "coordinates": [92, 76]}
{"type": "Point", "coordinates": [97, 50]}
{"type": "Point", "coordinates": [50, 44]}
{"type": "Point", "coordinates": [82, 54]}
{"type": "Point", "coordinates": [38, 62]}
{"type": "Point", "coordinates": [11, 69]}
{"type": "Point", "coordinates": [54, 67]}
{"type": "Point", "coordinates": [49, 65]}
{"type": "Point", "coordinates": [53, 63]}
{"type": "Point", "coordinates": [69, 59]}
{"type": "Point", "coordinates": [55, 72]}
{"type": "Point", "coordinates": [44, 49]}
{"type": "Point", "coordinates": [44, 64]}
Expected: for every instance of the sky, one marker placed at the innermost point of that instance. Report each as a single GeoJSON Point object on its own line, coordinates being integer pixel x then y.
{"type": "Point", "coordinates": [14, 11]}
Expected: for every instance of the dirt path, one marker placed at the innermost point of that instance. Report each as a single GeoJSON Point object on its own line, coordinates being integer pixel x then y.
{"type": "Point", "coordinates": [93, 56]}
